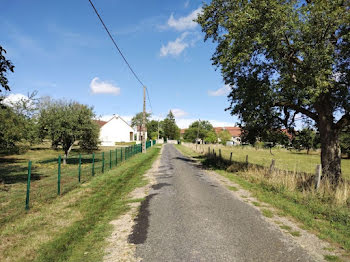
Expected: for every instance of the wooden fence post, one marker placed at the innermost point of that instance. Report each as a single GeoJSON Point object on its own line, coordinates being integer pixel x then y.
{"type": "Point", "coordinates": [246, 159]}
{"type": "Point", "coordinates": [318, 175]}
{"type": "Point", "coordinates": [272, 166]}
{"type": "Point", "coordinates": [220, 153]}
{"type": "Point", "coordinates": [231, 158]}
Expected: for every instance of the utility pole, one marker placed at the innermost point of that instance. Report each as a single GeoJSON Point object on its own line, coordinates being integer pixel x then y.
{"type": "Point", "coordinates": [144, 121]}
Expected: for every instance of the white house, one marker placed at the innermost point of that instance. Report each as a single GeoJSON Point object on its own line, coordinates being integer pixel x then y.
{"type": "Point", "coordinates": [115, 130]}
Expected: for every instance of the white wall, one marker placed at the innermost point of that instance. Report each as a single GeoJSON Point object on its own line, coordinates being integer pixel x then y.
{"type": "Point", "coordinates": [115, 130]}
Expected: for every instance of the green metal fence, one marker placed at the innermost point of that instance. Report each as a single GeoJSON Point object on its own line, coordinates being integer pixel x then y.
{"type": "Point", "coordinates": [60, 179]}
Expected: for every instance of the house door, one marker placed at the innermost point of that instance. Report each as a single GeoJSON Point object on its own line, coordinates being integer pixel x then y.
{"type": "Point", "coordinates": [131, 136]}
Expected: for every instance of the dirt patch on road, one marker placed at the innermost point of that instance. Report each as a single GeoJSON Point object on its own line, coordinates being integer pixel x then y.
{"type": "Point", "coordinates": [118, 248]}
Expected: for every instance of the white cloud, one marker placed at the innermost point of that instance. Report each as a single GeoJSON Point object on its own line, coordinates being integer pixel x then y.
{"type": "Point", "coordinates": [14, 98]}
{"type": "Point", "coordinates": [103, 87]}
{"type": "Point", "coordinates": [187, 3]}
{"type": "Point", "coordinates": [185, 22]}
{"type": "Point", "coordinates": [223, 91]}
{"type": "Point", "coordinates": [176, 47]}
{"type": "Point", "coordinates": [178, 113]}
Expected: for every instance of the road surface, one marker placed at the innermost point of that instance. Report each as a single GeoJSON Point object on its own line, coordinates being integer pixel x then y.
{"type": "Point", "coordinates": [188, 216]}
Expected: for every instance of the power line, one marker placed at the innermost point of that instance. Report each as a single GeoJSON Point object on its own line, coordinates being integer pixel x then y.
{"type": "Point", "coordinates": [115, 44]}
{"type": "Point", "coordinates": [120, 52]}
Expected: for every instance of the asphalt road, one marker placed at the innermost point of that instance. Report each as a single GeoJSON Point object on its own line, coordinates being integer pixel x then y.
{"type": "Point", "coordinates": [188, 216]}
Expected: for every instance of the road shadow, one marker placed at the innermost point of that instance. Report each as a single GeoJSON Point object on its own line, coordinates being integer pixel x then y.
{"type": "Point", "coordinates": [185, 159]}
{"type": "Point", "coordinates": [160, 185]}
{"type": "Point", "coordinates": [140, 228]}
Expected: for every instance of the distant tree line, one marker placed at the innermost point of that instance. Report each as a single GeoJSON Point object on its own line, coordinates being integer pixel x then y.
{"type": "Point", "coordinates": [167, 128]}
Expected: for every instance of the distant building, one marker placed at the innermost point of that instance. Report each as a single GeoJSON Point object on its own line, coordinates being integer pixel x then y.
{"type": "Point", "coordinates": [138, 133]}
{"type": "Point", "coordinates": [234, 131]}
{"type": "Point", "coordinates": [115, 130]}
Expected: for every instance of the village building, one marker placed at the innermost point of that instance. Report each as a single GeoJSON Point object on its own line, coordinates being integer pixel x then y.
{"type": "Point", "coordinates": [115, 130]}
{"type": "Point", "coordinates": [234, 131]}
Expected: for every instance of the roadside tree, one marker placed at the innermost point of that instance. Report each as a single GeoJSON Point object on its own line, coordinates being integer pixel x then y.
{"type": "Point", "coordinates": [282, 59]}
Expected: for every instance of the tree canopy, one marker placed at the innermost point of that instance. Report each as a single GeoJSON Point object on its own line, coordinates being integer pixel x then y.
{"type": "Point", "coordinates": [224, 136]}
{"type": "Point", "coordinates": [283, 59]}
{"type": "Point", "coordinates": [5, 67]}
{"type": "Point", "coordinates": [136, 121]}
{"type": "Point", "coordinates": [68, 122]}
{"type": "Point", "coordinates": [170, 129]}
{"type": "Point", "coordinates": [197, 128]}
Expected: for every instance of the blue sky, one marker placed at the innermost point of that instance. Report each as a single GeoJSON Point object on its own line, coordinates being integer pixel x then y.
{"type": "Point", "coordinates": [60, 49]}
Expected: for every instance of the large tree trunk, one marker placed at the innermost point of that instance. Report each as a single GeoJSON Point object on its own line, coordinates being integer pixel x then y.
{"type": "Point", "coordinates": [330, 150]}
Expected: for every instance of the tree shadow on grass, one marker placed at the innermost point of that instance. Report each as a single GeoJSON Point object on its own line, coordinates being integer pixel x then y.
{"type": "Point", "coordinates": [18, 174]}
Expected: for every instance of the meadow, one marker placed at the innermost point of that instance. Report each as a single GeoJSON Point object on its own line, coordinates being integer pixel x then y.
{"type": "Point", "coordinates": [288, 160]}
{"type": "Point", "coordinates": [74, 224]}
{"type": "Point", "coordinates": [44, 176]}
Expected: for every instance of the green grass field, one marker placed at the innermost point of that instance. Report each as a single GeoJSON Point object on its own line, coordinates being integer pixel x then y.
{"type": "Point", "coordinates": [68, 227]}
{"type": "Point", "coordinates": [13, 174]}
{"type": "Point", "coordinates": [285, 159]}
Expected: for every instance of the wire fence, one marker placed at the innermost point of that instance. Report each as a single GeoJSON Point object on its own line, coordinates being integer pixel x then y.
{"type": "Point", "coordinates": [282, 159]}
{"type": "Point", "coordinates": [61, 178]}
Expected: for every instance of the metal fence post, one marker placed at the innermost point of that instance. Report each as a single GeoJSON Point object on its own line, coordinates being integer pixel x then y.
{"type": "Point", "coordinates": [103, 162]}
{"type": "Point", "coordinates": [116, 156]}
{"type": "Point", "coordinates": [110, 159]}
{"type": "Point", "coordinates": [59, 176]}
{"type": "Point", "coordinates": [79, 170]}
{"type": "Point", "coordinates": [93, 164]}
{"type": "Point", "coordinates": [28, 184]}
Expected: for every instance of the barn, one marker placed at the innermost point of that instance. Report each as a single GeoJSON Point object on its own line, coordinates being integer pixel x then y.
{"type": "Point", "coordinates": [115, 130]}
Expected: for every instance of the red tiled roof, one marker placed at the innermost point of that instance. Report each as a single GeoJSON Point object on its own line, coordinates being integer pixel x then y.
{"type": "Point", "coordinates": [233, 130]}
{"type": "Point", "coordinates": [182, 131]}
{"type": "Point", "coordinates": [100, 123]}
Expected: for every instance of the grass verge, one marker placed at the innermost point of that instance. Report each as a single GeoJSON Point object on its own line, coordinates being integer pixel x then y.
{"type": "Point", "coordinates": [74, 226]}
{"type": "Point", "coordinates": [316, 212]}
